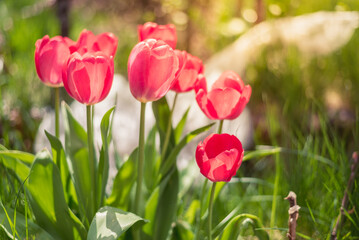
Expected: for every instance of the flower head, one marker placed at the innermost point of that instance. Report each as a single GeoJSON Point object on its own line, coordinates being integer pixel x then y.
{"type": "Point", "coordinates": [166, 33]}
{"type": "Point", "coordinates": [226, 99]}
{"type": "Point", "coordinates": [219, 157]}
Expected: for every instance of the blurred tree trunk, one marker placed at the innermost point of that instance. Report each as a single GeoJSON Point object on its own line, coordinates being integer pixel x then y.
{"type": "Point", "coordinates": [63, 9]}
{"type": "Point", "coordinates": [261, 11]}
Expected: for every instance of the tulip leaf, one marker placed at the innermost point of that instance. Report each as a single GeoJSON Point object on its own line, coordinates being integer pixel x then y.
{"type": "Point", "coordinates": [123, 183]}
{"type": "Point", "coordinates": [110, 223]}
{"type": "Point", "coordinates": [104, 164]}
{"type": "Point", "coordinates": [171, 160]}
{"type": "Point", "coordinates": [47, 200]}
{"type": "Point", "coordinates": [167, 207]}
{"type": "Point", "coordinates": [182, 231]}
{"type": "Point", "coordinates": [77, 159]}
{"type": "Point", "coordinates": [24, 157]}
{"type": "Point", "coordinates": [191, 212]}
{"type": "Point", "coordinates": [161, 111]}
{"type": "Point", "coordinates": [150, 162]}
{"type": "Point", "coordinates": [18, 167]}
{"type": "Point", "coordinates": [232, 229]}
{"type": "Point", "coordinates": [58, 154]}
{"type": "Point", "coordinates": [34, 230]}
{"type": "Point", "coordinates": [180, 126]}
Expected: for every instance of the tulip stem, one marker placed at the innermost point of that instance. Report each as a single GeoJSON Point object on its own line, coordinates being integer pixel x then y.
{"type": "Point", "coordinates": [199, 223]}
{"type": "Point", "coordinates": [92, 163]}
{"type": "Point", "coordinates": [57, 116]}
{"type": "Point", "coordinates": [168, 130]}
{"type": "Point", "coordinates": [210, 211]}
{"type": "Point", "coordinates": [220, 126]}
{"type": "Point", "coordinates": [141, 155]}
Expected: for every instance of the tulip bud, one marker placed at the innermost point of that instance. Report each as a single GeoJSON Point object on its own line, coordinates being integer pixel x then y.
{"type": "Point", "coordinates": [227, 98]}
{"type": "Point", "coordinates": [219, 157]}
{"type": "Point", "coordinates": [151, 70]}
{"type": "Point", "coordinates": [88, 77]}
{"type": "Point", "coordinates": [188, 76]}
{"type": "Point", "coordinates": [50, 56]}
{"type": "Point", "coordinates": [166, 33]}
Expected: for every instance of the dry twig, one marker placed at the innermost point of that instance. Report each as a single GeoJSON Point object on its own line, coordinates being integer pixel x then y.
{"type": "Point", "coordinates": [353, 168]}
{"type": "Point", "coordinates": [293, 215]}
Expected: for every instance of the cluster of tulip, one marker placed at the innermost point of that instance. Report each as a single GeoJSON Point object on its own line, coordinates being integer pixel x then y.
{"type": "Point", "coordinates": [86, 68]}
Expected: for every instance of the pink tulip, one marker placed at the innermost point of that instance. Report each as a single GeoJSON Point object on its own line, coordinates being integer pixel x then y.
{"type": "Point", "coordinates": [188, 76]}
{"type": "Point", "coordinates": [219, 157]}
{"type": "Point", "coordinates": [227, 98]}
{"type": "Point", "coordinates": [152, 66]}
{"type": "Point", "coordinates": [89, 77]}
{"type": "Point", "coordinates": [104, 42]}
{"type": "Point", "coordinates": [50, 56]}
{"type": "Point", "coordinates": [166, 33]}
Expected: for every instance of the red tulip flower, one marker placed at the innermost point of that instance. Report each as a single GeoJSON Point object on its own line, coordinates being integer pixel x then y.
{"type": "Point", "coordinates": [104, 42]}
{"type": "Point", "coordinates": [89, 77]}
{"type": "Point", "coordinates": [50, 56]}
{"type": "Point", "coordinates": [188, 76]}
{"type": "Point", "coordinates": [227, 98]}
{"type": "Point", "coordinates": [166, 33]}
{"type": "Point", "coordinates": [219, 156]}
{"type": "Point", "coordinates": [152, 66]}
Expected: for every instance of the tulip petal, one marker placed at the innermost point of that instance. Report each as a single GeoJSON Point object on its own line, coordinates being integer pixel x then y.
{"type": "Point", "coordinates": [224, 101]}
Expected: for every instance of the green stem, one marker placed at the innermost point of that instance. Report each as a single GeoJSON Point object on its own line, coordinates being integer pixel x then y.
{"type": "Point", "coordinates": [220, 126]}
{"type": "Point", "coordinates": [199, 221]}
{"type": "Point", "coordinates": [57, 116]}
{"type": "Point", "coordinates": [92, 162]}
{"type": "Point", "coordinates": [210, 211]}
{"type": "Point", "coordinates": [168, 130]}
{"type": "Point", "coordinates": [141, 155]}
{"type": "Point", "coordinates": [275, 191]}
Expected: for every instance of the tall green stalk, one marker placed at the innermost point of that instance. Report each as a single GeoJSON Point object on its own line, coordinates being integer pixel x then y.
{"type": "Point", "coordinates": [92, 161]}
{"type": "Point", "coordinates": [141, 155]}
{"type": "Point", "coordinates": [57, 110]}
{"type": "Point", "coordinates": [168, 130]}
{"type": "Point", "coordinates": [275, 190]}
{"type": "Point", "coordinates": [210, 211]}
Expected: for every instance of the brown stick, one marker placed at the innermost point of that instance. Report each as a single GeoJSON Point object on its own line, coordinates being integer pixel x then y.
{"type": "Point", "coordinates": [293, 215]}
{"type": "Point", "coordinates": [353, 169]}
{"type": "Point", "coordinates": [63, 8]}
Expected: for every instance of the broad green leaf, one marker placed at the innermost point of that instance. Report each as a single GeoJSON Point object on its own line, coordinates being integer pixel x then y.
{"type": "Point", "coordinates": [104, 164]}
{"type": "Point", "coordinates": [34, 231]}
{"type": "Point", "coordinates": [110, 223]}
{"type": "Point", "coordinates": [232, 229]}
{"type": "Point", "coordinates": [150, 160]}
{"type": "Point", "coordinates": [123, 183]}
{"type": "Point", "coordinates": [191, 212]}
{"type": "Point", "coordinates": [161, 111]}
{"type": "Point", "coordinates": [171, 160]}
{"type": "Point", "coordinates": [179, 128]}
{"type": "Point", "coordinates": [18, 167]}
{"type": "Point", "coordinates": [47, 200]}
{"type": "Point", "coordinates": [182, 231]}
{"type": "Point", "coordinates": [77, 160]}
{"type": "Point", "coordinates": [59, 157]}
{"type": "Point", "coordinates": [25, 157]}
{"type": "Point", "coordinates": [166, 207]}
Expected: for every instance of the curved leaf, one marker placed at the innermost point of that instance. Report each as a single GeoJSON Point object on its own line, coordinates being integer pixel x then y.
{"type": "Point", "coordinates": [109, 223]}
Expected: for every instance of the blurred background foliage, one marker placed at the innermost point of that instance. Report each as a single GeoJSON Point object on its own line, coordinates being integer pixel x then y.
{"type": "Point", "coordinates": [308, 106]}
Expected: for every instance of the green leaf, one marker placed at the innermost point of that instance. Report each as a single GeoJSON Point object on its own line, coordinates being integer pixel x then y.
{"type": "Point", "coordinates": [18, 167]}
{"type": "Point", "coordinates": [59, 156]}
{"type": "Point", "coordinates": [150, 161]}
{"type": "Point", "coordinates": [232, 229]}
{"type": "Point", "coordinates": [179, 128]}
{"type": "Point", "coordinates": [77, 159]}
{"type": "Point", "coordinates": [161, 111]}
{"type": "Point", "coordinates": [47, 200]}
{"type": "Point", "coordinates": [104, 164]}
{"type": "Point", "coordinates": [123, 183]}
{"type": "Point", "coordinates": [109, 223]}
{"type": "Point", "coordinates": [166, 207]}
{"type": "Point", "coordinates": [171, 160]}
{"type": "Point", "coordinates": [182, 231]}
{"type": "Point", "coordinates": [34, 231]}
{"type": "Point", "coordinates": [25, 157]}
{"type": "Point", "coordinates": [191, 212]}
